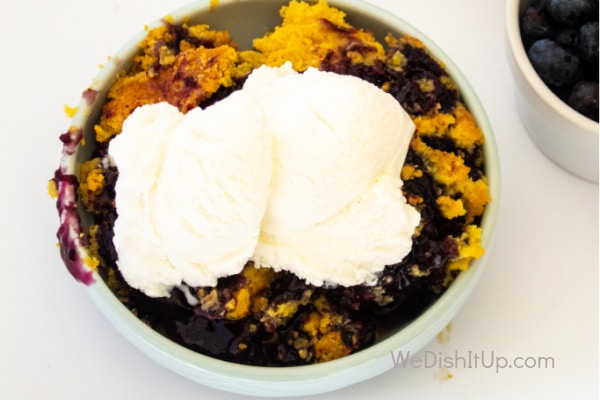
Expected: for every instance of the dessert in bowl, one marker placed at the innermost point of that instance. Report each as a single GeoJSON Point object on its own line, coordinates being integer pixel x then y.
{"type": "Point", "coordinates": [325, 246]}
{"type": "Point", "coordinates": [565, 135]}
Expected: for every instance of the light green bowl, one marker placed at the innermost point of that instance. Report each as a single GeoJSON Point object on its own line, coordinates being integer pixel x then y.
{"type": "Point", "coordinates": [245, 20]}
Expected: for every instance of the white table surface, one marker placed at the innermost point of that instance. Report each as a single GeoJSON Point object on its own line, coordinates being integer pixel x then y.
{"type": "Point", "coordinates": [538, 297]}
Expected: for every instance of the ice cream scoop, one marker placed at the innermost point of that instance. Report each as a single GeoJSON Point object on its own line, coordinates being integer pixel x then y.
{"type": "Point", "coordinates": [191, 192]}
{"type": "Point", "coordinates": [336, 213]}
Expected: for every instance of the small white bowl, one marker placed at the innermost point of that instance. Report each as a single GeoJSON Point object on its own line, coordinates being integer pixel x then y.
{"type": "Point", "coordinates": [567, 137]}
{"type": "Point", "coordinates": [247, 19]}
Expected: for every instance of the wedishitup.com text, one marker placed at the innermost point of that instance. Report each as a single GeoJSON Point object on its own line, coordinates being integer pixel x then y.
{"type": "Point", "coordinates": [468, 360]}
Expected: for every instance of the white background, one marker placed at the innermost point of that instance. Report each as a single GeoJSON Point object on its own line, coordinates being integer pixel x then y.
{"type": "Point", "coordinates": [538, 296]}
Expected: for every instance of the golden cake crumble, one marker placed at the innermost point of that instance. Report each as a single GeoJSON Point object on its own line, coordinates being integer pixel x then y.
{"type": "Point", "coordinates": [311, 32]}
{"type": "Point", "coordinates": [180, 65]}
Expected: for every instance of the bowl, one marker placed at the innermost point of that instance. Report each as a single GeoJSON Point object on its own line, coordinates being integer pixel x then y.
{"type": "Point", "coordinates": [567, 137]}
{"type": "Point", "coordinates": [254, 380]}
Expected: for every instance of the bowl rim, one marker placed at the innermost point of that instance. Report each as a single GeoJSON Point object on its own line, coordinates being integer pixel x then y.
{"type": "Point", "coordinates": [531, 77]}
{"type": "Point", "coordinates": [305, 379]}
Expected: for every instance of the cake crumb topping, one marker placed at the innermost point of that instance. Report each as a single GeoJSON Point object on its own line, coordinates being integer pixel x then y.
{"type": "Point", "coordinates": [310, 33]}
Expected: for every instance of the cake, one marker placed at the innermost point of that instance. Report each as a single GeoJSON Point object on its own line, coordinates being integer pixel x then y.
{"type": "Point", "coordinates": [269, 317]}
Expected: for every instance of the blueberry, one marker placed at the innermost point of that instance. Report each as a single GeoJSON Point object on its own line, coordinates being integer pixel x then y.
{"type": "Point", "coordinates": [572, 12]}
{"type": "Point", "coordinates": [556, 66]}
{"type": "Point", "coordinates": [535, 25]}
{"type": "Point", "coordinates": [588, 42]}
{"type": "Point", "coordinates": [584, 98]}
{"type": "Point", "coordinates": [566, 37]}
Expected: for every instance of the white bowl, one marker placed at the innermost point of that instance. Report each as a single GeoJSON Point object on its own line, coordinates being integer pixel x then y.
{"type": "Point", "coordinates": [285, 381]}
{"type": "Point", "coordinates": [564, 135]}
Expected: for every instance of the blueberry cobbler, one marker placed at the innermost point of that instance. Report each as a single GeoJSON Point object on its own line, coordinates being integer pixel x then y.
{"type": "Point", "coordinates": [283, 205]}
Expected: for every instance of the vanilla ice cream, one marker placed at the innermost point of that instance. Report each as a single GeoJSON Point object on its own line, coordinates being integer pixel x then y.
{"type": "Point", "coordinates": [336, 214]}
{"type": "Point", "coordinates": [298, 172]}
{"type": "Point", "coordinates": [191, 192]}
{"type": "Point", "coordinates": [333, 136]}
